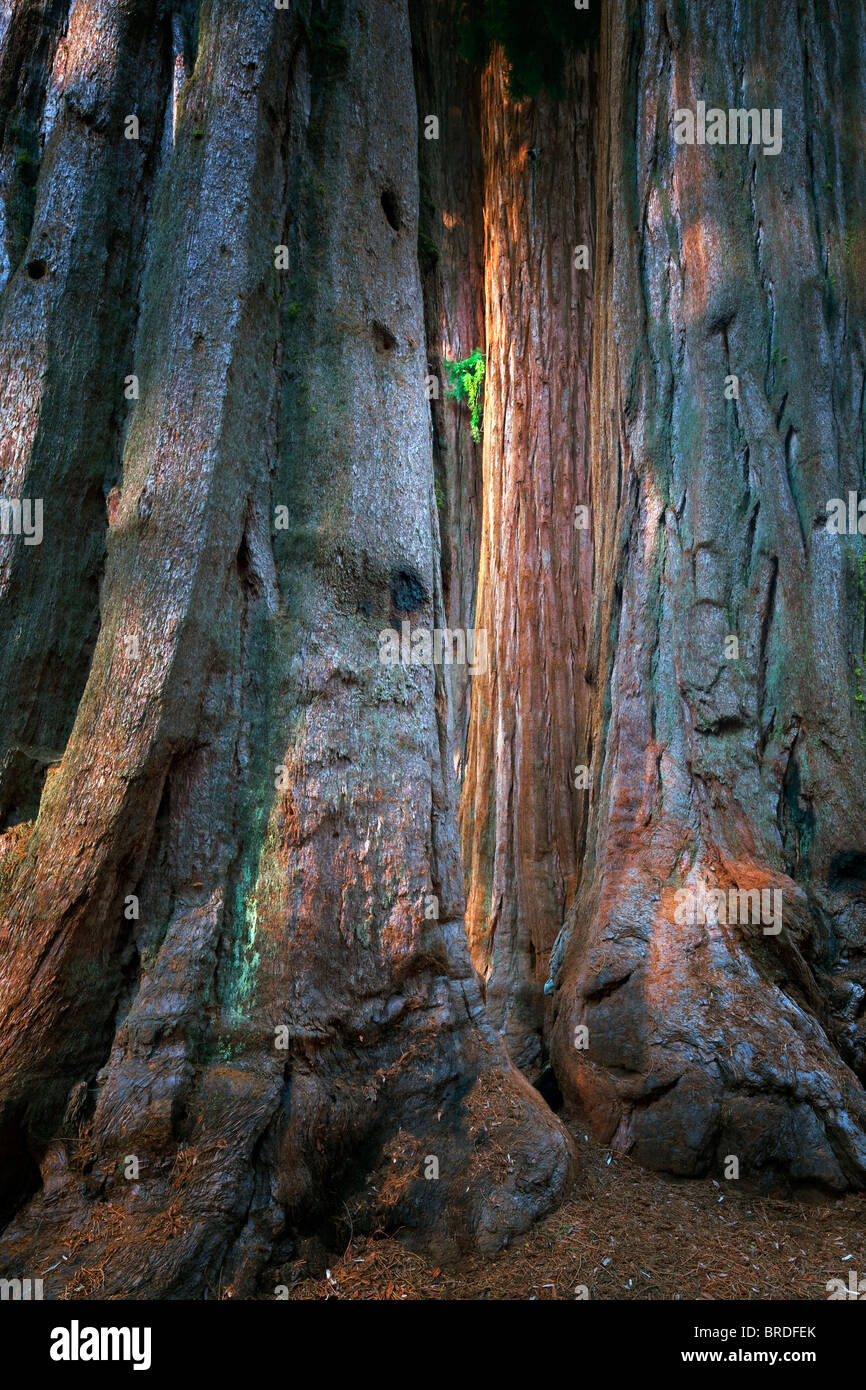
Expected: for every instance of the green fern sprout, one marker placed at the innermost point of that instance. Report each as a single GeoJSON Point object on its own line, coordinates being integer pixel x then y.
{"type": "Point", "coordinates": [466, 379]}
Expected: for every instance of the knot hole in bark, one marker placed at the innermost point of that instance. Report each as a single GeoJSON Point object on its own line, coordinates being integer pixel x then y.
{"type": "Point", "coordinates": [847, 873]}
{"type": "Point", "coordinates": [384, 338]}
{"type": "Point", "coordinates": [391, 208]}
{"type": "Point", "coordinates": [408, 593]}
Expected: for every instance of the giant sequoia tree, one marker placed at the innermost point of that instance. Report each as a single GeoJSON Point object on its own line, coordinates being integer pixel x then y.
{"type": "Point", "coordinates": [726, 730]}
{"type": "Point", "coordinates": [247, 866]}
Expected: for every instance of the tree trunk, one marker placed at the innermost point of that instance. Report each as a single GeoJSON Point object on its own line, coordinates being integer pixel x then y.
{"type": "Point", "coordinates": [451, 256]}
{"type": "Point", "coordinates": [732, 766]}
{"type": "Point", "coordinates": [230, 1014]}
{"type": "Point", "coordinates": [521, 816]}
{"type": "Point", "coordinates": [237, 998]}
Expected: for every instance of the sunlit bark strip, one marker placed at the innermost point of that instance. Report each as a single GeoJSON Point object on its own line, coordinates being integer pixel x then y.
{"type": "Point", "coordinates": [521, 814]}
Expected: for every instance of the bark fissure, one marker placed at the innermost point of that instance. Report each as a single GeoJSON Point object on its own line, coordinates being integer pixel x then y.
{"type": "Point", "coordinates": [279, 910]}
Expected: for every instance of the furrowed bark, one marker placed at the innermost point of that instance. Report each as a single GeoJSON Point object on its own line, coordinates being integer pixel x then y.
{"type": "Point", "coordinates": [742, 770]}
{"type": "Point", "coordinates": [520, 813]}
{"type": "Point", "coordinates": [451, 256]}
{"type": "Point", "coordinates": [282, 1035]}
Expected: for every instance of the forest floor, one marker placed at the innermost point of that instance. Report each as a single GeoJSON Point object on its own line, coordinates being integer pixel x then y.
{"type": "Point", "coordinates": [623, 1233]}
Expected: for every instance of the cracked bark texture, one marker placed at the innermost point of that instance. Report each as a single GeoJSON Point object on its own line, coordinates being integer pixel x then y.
{"type": "Point", "coordinates": [521, 817]}
{"type": "Point", "coordinates": [715, 1040]}
{"type": "Point", "coordinates": [194, 713]}
{"type": "Point", "coordinates": [451, 256]}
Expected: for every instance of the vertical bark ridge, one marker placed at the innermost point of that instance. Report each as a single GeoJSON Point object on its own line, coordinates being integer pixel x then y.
{"type": "Point", "coordinates": [521, 813]}
{"type": "Point", "coordinates": [708, 1040]}
{"type": "Point", "coordinates": [282, 1034]}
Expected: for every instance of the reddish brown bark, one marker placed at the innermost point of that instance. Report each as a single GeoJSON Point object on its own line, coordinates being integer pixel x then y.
{"type": "Point", "coordinates": [283, 1034]}
{"type": "Point", "coordinates": [739, 769]}
{"type": "Point", "coordinates": [521, 815]}
{"type": "Point", "coordinates": [451, 254]}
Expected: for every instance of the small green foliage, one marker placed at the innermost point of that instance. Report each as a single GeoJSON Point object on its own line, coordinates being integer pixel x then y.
{"type": "Point", "coordinates": [293, 311]}
{"type": "Point", "coordinates": [466, 380]}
